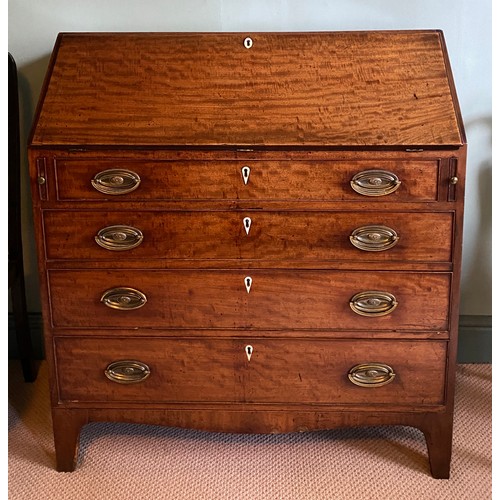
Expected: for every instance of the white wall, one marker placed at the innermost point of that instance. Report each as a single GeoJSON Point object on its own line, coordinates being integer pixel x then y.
{"type": "Point", "coordinates": [33, 26]}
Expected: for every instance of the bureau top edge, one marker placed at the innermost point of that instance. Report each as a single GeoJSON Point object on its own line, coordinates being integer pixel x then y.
{"type": "Point", "coordinates": [244, 148]}
{"type": "Point", "coordinates": [302, 90]}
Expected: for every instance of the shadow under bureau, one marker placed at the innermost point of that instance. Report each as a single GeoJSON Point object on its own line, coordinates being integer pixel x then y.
{"type": "Point", "coordinates": [250, 232]}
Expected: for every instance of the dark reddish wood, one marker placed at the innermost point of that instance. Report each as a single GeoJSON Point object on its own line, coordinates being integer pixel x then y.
{"type": "Point", "coordinates": [311, 236]}
{"type": "Point", "coordinates": [247, 332]}
{"type": "Point", "coordinates": [329, 106]}
{"type": "Point", "coordinates": [272, 421]}
{"type": "Point", "coordinates": [345, 159]}
{"type": "Point", "coordinates": [268, 180]}
{"type": "Point", "coordinates": [282, 371]}
{"type": "Point", "coordinates": [67, 425]}
{"type": "Point", "coordinates": [278, 299]}
{"type": "Point", "coordinates": [438, 434]}
{"type": "Point", "coordinates": [144, 89]}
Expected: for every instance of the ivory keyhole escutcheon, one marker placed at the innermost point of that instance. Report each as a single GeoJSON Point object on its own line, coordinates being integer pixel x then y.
{"type": "Point", "coordinates": [249, 351]}
{"type": "Point", "coordinates": [245, 173]}
{"type": "Point", "coordinates": [247, 222]}
{"type": "Point", "coordinates": [248, 283]}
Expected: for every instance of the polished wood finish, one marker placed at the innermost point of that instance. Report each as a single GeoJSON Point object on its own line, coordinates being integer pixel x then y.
{"type": "Point", "coordinates": [309, 236]}
{"type": "Point", "coordinates": [219, 371]}
{"type": "Point", "coordinates": [277, 299]}
{"type": "Point", "coordinates": [267, 180]}
{"type": "Point", "coordinates": [289, 90]}
{"type": "Point", "coordinates": [186, 113]}
{"type": "Point", "coordinates": [437, 427]}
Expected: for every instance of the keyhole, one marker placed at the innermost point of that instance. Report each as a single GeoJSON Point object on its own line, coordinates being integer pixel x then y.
{"type": "Point", "coordinates": [247, 222]}
{"type": "Point", "coordinates": [248, 42]}
{"type": "Point", "coordinates": [245, 172]}
{"type": "Point", "coordinates": [248, 283]}
{"type": "Point", "coordinates": [249, 351]}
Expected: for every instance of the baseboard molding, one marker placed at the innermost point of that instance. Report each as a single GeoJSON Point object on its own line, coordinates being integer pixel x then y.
{"type": "Point", "coordinates": [474, 338]}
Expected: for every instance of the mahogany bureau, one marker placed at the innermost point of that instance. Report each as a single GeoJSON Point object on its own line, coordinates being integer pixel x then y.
{"type": "Point", "coordinates": [250, 232]}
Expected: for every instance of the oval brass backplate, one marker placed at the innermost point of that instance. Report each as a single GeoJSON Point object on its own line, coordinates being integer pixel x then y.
{"type": "Point", "coordinates": [118, 238]}
{"type": "Point", "coordinates": [373, 303]}
{"type": "Point", "coordinates": [375, 182]}
{"type": "Point", "coordinates": [371, 374]}
{"type": "Point", "coordinates": [374, 238]}
{"type": "Point", "coordinates": [127, 371]}
{"type": "Point", "coordinates": [123, 298]}
{"type": "Point", "coordinates": [116, 181]}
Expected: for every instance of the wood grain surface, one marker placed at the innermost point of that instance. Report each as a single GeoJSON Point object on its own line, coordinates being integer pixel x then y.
{"type": "Point", "coordinates": [299, 90]}
{"type": "Point", "coordinates": [279, 299]}
{"type": "Point", "coordinates": [279, 371]}
{"type": "Point", "coordinates": [268, 180]}
{"type": "Point", "coordinates": [308, 236]}
{"type": "Point", "coordinates": [305, 112]}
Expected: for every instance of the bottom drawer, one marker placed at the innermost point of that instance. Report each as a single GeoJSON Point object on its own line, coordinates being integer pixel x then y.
{"type": "Point", "coordinates": [250, 370]}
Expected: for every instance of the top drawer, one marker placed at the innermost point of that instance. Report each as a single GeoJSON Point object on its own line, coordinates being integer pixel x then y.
{"type": "Point", "coordinates": [122, 180]}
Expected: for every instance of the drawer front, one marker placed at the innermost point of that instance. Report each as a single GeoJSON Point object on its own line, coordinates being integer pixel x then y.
{"type": "Point", "coordinates": [249, 235]}
{"type": "Point", "coordinates": [278, 371]}
{"type": "Point", "coordinates": [270, 299]}
{"type": "Point", "coordinates": [244, 180]}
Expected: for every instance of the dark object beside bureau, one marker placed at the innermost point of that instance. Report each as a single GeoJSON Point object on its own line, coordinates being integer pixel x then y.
{"type": "Point", "coordinates": [250, 232]}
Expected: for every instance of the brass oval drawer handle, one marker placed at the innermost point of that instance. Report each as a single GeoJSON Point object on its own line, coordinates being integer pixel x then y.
{"type": "Point", "coordinates": [118, 238]}
{"type": "Point", "coordinates": [373, 303]}
{"type": "Point", "coordinates": [375, 182]}
{"type": "Point", "coordinates": [123, 298]}
{"type": "Point", "coordinates": [127, 371]}
{"type": "Point", "coordinates": [116, 181]}
{"type": "Point", "coordinates": [374, 238]}
{"type": "Point", "coordinates": [371, 374]}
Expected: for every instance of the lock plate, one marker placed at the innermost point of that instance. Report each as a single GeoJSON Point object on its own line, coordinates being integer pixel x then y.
{"type": "Point", "coordinates": [245, 173]}
{"type": "Point", "coordinates": [248, 283]}
{"type": "Point", "coordinates": [247, 222]}
{"type": "Point", "coordinates": [249, 351]}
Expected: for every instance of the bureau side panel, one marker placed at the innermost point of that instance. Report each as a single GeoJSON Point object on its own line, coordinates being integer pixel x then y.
{"type": "Point", "coordinates": [40, 184]}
